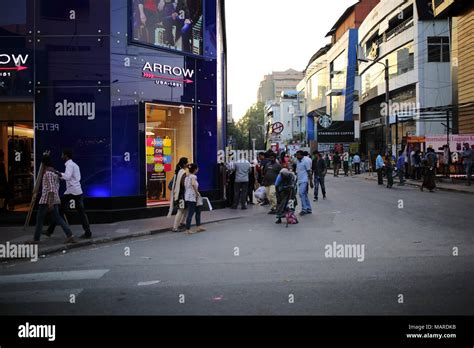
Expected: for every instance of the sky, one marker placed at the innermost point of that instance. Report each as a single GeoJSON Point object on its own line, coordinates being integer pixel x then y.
{"type": "Point", "coordinates": [273, 35]}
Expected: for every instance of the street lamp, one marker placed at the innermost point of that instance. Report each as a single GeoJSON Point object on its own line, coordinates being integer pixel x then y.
{"type": "Point", "coordinates": [388, 129]}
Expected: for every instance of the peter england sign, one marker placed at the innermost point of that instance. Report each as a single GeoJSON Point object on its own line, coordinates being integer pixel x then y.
{"type": "Point", "coordinates": [167, 75]}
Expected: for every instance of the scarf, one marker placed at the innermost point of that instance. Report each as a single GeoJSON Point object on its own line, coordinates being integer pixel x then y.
{"type": "Point", "coordinates": [175, 190]}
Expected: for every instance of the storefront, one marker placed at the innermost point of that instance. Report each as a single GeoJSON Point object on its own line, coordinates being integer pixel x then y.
{"type": "Point", "coordinates": [129, 97]}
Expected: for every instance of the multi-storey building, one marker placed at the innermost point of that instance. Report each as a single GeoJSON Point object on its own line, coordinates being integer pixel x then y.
{"type": "Point", "coordinates": [275, 83]}
{"type": "Point", "coordinates": [461, 16]}
{"type": "Point", "coordinates": [332, 84]}
{"type": "Point", "coordinates": [404, 37]}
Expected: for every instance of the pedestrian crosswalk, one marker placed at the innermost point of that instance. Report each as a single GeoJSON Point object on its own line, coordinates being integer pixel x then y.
{"type": "Point", "coordinates": [53, 294]}
{"type": "Point", "coordinates": [52, 276]}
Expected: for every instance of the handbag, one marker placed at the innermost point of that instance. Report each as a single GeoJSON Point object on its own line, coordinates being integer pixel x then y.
{"type": "Point", "coordinates": [199, 201]}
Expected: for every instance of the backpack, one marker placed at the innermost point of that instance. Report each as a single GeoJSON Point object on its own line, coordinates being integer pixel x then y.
{"type": "Point", "coordinates": [291, 218]}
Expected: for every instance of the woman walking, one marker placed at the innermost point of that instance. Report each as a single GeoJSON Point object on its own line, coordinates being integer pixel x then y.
{"type": "Point", "coordinates": [177, 195]}
{"type": "Point", "coordinates": [193, 199]}
{"type": "Point", "coordinates": [429, 173]}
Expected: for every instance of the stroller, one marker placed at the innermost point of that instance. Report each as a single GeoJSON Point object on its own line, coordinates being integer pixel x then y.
{"type": "Point", "coordinates": [287, 191]}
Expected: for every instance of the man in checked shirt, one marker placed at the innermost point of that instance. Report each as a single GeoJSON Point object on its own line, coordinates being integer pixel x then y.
{"type": "Point", "coordinates": [50, 202]}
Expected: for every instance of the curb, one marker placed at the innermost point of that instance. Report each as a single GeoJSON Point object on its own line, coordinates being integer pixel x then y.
{"type": "Point", "coordinates": [447, 189]}
{"type": "Point", "coordinates": [104, 240]}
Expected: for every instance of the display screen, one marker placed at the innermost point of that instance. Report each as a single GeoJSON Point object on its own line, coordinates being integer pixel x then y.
{"type": "Point", "coordinates": [172, 24]}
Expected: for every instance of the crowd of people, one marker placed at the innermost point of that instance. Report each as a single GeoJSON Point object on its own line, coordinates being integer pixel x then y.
{"type": "Point", "coordinates": [420, 166]}
{"type": "Point", "coordinates": [277, 181]}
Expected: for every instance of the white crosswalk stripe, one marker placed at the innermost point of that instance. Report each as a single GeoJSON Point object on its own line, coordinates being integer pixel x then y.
{"type": "Point", "coordinates": [50, 295]}
{"type": "Point", "coordinates": [39, 296]}
{"type": "Point", "coordinates": [52, 276]}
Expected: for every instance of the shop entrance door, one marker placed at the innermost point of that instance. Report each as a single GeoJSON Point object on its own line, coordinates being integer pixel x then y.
{"type": "Point", "coordinates": [161, 154]}
{"type": "Point", "coordinates": [169, 136]}
{"type": "Point", "coordinates": [17, 160]}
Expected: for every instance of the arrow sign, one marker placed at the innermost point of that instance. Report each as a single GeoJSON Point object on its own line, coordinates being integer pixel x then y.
{"type": "Point", "coordinates": [17, 68]}
{"type": "Point", "coordinates": [153, 76]}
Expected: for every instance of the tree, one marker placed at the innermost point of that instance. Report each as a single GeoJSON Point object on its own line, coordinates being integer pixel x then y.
{"type": "Point", "coordinates": [252, 126]}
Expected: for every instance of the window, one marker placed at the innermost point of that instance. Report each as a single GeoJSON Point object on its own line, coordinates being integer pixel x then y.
{"type": "Point", "coordinates": [438, 49]}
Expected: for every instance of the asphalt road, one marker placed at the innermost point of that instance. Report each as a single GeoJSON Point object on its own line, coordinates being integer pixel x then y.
{"type": "Point", "coordinates": [408, 266]}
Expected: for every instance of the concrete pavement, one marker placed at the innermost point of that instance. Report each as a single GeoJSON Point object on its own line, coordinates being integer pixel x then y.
{"type": "Point", "coordinates": [418, 260]}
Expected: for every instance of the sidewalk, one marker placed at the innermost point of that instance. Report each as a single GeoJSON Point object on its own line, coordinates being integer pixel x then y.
{"type": "Point", "coordinates": [444, 185]}
{"type": "Point", "coordinates": [117, 231]}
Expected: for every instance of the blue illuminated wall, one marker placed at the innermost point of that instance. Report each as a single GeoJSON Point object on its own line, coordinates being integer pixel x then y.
{"type": "Point", "coordinates": [80, 53]}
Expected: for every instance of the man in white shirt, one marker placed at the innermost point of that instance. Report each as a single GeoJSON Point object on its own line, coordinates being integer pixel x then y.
{"type": "Point", "coordinates": [72, 176]}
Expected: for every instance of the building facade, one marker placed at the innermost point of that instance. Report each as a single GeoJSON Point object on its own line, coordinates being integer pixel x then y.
{"type": "Point", "coordinates": [461, 16]}
{"type": "Point", "coordinates": [128, 97]}
{"type": "Point", "coordinates": [332, 84]}
{"type": "Point", "coordinates": [275, 83]}
{"type": "Point", "coordinates": [416, 47]}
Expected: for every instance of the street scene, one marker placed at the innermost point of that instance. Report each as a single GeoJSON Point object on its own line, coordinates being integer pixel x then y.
{"type": "Point", "coordinates": [237, 158]}
{"type": "Point", "coordinates": [275, 270]}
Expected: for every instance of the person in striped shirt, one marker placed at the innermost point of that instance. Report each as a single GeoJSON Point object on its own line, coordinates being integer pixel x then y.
{"type": "Point", "coordinates": [50, 202]}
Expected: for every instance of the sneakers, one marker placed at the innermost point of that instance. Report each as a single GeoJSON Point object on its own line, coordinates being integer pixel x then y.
{"type": "Point", "coordinates": [315, 199]}
{"type": "Point", "coordinates": [200, 229]}
{"type": "Point", "coordinates": [278, 221]}
{"type": "Point", "coordinates": [324, 196]}
{"type": "Point", "coordinates": [70, 240]}
{"type": "Point", "coordinates": [191, 232]}
{"type": "Point", "coordinates": [86, 236]}
{"type": "Point", "coordinates": [303, 213]}
{"type": "Point", "coordinates": [272, 212]}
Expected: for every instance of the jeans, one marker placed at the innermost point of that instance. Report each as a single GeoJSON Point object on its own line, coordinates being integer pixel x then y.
{"type": "Point", "coordinates": [79, 202]}
{"type": "Point", "coordinates": [337, 167]}
{"type": "Point", "coordinates": [319, 180]}
{"type": "Point", "coordinates": [240, 194]}
{"type": "Point", "coordinates": [380, 176]}
{"type": "Point", "coordinates": [357, 168]}
{"type": "Point", "coordinates": [401, 175]}
{"type": "Point", "coordinates": [303, 191]}
{"type": "Point", "coordinates": [193, 209]}
{"type": "Point", "coordinates": [468, 168]}
{"type": "Point", "coordinates": [389, 172]}
{"type": "Point", "coordinates": [58, 220]}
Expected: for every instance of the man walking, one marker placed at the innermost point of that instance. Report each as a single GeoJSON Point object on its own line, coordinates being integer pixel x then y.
{"type": "Point", "coordinates": [241, 186]}
{"type": "Point", "coordinates": [356, 161]}
{"type": "Point", "coordinates": [303, 172]}
{"type": "Point", "coordinates": [401, 168]}
{"type": "Point", "coordinates": [468, 160]}
{"type": "Point", "coordinates": [270, 173]}
{"type": "Point", "coordinates": [72, 176]}
{"type": "Point", "coordinates": [319, 172]}
{"type": "Point", "coordinates": [379, 168]}
{"type": "Point", "coordinates": [50, 201]}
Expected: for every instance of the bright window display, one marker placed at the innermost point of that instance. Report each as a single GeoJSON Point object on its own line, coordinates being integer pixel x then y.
{"type": "Point", "coordinates": [169, 136]}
